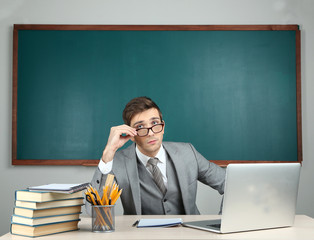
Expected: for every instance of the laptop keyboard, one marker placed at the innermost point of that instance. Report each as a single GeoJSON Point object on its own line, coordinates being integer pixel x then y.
{"type": "Point", "coordinates": [214, 225]}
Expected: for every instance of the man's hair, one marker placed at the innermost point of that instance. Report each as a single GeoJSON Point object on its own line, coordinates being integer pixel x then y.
{"type": "Point", "coordinates": [138, 105]}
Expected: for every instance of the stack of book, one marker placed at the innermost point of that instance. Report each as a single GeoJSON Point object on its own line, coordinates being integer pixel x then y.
{"type": "Point", "coordinates": [39, 213]}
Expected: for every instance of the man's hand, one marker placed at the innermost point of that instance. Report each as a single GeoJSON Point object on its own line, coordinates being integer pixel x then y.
{"type": "Point", "coordinates": [118, 136]}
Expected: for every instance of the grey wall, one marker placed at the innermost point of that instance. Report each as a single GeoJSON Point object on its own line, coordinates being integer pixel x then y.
{"type": "Point", "coordinates": [146, 12]}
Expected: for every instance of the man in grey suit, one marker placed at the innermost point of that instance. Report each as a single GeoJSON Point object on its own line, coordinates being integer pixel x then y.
{"type": "Point", "coordinates": [156, 177]}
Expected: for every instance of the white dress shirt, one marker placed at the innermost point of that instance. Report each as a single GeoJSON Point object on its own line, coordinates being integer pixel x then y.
{"type": "Point", "coordinates": [105, 168]}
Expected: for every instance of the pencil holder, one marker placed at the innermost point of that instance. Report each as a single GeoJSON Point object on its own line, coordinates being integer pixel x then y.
{"type": "Point", "coordinates": [103, 218]}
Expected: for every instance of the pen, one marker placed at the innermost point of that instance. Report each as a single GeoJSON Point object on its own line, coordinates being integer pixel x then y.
{"type": "Point", "coordinates": [135, 224]}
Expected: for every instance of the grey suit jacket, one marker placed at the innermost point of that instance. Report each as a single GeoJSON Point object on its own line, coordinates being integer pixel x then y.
{"type": "Point", "coordinates": [189, 165]}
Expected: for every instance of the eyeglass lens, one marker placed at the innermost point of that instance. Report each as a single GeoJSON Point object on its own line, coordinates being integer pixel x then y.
{"type": "Point", "coordinates": [144, 131]}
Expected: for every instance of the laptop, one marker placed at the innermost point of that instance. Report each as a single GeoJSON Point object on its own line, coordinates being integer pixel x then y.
{"type": "Point", "coordinates": [257, 196]}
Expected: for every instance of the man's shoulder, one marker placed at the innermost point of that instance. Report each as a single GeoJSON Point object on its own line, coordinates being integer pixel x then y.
{"type": "Point", "coordinates": [126, 152]}
{"type": "Point", "coordinates": [177, 145]}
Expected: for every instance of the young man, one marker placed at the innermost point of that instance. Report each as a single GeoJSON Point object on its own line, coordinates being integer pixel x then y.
{"type": "Point", "coordinates": [156, 177]}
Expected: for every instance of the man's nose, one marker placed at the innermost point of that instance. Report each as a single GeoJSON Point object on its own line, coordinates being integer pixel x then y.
{"type": "Point", "coordinates": [150, 132]}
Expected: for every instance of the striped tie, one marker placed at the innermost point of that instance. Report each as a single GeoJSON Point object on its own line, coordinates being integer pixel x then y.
{"type": "Point", "coordinates": [155, 171]}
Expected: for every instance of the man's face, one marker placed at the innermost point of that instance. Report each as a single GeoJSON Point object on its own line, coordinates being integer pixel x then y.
{"type": "Point", "coordinates": [150, 144]}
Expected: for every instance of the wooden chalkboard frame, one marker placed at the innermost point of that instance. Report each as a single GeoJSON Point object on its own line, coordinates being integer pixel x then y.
{"type": "Point", "coordinates": [89, 162]}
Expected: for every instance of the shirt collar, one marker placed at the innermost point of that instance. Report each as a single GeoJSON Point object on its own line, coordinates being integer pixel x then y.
{"type": "Point", "coordinates": [161, 155]}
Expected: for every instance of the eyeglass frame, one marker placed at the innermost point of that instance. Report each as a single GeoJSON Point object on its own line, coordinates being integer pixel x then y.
{"type": "Point", "coordinates": [151, 128]}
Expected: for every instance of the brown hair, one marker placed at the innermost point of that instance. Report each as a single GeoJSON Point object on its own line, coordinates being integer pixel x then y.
{"type": "Point", "coordinates": [138, 105]}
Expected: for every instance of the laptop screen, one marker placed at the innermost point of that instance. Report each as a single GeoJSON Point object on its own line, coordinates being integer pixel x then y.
{"type": "Point", "coordinates": [257, 196]}
{"type": "Point", "coordinates": [260, 195]}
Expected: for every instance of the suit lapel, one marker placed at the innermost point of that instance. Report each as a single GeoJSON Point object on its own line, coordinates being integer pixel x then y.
{"type": "Point", "coordinates": [132, 172]}
{"type": "Point", "coordinates": [180, 170]}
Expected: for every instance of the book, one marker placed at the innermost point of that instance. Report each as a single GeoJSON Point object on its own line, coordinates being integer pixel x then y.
{"type": "Point", "coordinates": [159, 222]}
{"type": "Point", "coordinates": [50, 204]}
{"type": "Point", "coordinates": [34, 213]}
{"type": "Point", "coordinates": [44, 220]}
{"type": "Point", "coordinates": [60, 188]}
{"type": "Point", "coordinates": [46, 229]}
{"type": "Point", "coordinates": [26, 195]}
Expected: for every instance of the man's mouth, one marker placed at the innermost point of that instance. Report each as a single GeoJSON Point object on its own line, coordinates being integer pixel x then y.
{"type": "Point", "coordinates": [153, 141]}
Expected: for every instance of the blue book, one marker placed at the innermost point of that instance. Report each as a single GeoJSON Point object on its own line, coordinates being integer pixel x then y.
{"type": "Point", "coordinates": [159, 222]}
{"type": "Point", "coordinates": [37, 221]}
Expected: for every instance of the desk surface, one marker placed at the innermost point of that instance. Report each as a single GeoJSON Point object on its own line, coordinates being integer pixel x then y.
{"type": "Point", "coordinates": [303, 229]}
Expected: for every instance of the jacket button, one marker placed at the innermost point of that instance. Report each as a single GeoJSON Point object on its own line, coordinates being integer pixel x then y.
{"type": "Point", "coordinates": [97, 181]}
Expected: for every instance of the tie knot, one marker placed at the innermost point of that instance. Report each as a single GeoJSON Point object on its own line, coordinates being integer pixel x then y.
{"type": "Point", "coordinates": [153, 161]}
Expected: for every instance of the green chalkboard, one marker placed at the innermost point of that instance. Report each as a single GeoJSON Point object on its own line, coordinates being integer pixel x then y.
{"type": "Point", "coordinates": [232, 91]}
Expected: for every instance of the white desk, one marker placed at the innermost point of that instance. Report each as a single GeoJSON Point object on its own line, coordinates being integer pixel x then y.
{"type": "Point", "coordinates": [302, 229]}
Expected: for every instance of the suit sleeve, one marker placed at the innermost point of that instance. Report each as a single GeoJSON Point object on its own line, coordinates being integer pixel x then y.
{"type": "Point", "coordinates": [97, 182]}
{"type": "Point", "coordinates": [209, 173]}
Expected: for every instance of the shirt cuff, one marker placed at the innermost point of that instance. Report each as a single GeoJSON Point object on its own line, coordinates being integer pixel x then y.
{"type": "Point", "coordinates": [105, 168]}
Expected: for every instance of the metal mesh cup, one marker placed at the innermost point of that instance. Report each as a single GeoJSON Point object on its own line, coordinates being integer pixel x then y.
{"type": "Point", "coordinates": [103, 218]}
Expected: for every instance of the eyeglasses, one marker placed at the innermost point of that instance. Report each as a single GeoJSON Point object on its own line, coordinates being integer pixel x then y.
{"type": "Point", "coordinates": [157, 128]}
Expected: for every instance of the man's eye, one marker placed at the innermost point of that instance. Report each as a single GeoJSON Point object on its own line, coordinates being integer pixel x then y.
{"type": "Point", "coordinates": [139, 126]}
{"type": "Point", "coordinates": [155, 122]}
